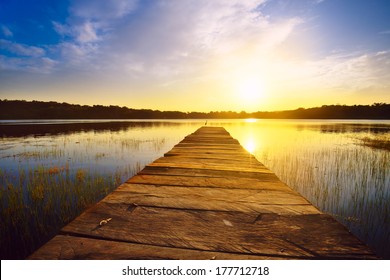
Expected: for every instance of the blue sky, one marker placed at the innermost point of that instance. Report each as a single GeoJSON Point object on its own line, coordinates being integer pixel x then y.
{"type": "Point", "coordinates": [196, 55]}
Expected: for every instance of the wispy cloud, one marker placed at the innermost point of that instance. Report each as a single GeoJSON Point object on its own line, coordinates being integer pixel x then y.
{"type": "Point", "coordinates": [21, 49]}
{"type": "Point", "coordinates": [348, 73]}
{"type": "Point", "coordinates": [85, 32]}
{"type": "Point", "coordinates": [6, 31]}
{"type": "Point", "coordinates": [177, 37]}
{"type": "Point", "coordinates": [101, 10]}
{"type": "Point", "coordinates": [39, 65]}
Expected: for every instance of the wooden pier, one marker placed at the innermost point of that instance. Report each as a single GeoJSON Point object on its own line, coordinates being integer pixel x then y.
{"type": "Point", "coordinates": [207, 198]}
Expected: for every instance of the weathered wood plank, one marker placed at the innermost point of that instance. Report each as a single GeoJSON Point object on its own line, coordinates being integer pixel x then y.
{"type": "Point", "coordinates": [309, 236]}
{"type": "Point", "coordinates": [193, 172]}
{"type": "Point", "coordinates": [244, 161]}
{"type": "Point", "coordinates": [243, 200]}
{"type": "Point", "coordinates": [209, 146]}
{"type": "Point", "coordinates": [210, 166]}
{"type": "Point", "coordinates": [65, 247]}
{"type": "Point", "coordinates": [267, 183]}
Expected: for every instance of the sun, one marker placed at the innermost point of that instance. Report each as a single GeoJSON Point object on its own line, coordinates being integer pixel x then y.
{"type": "Point", "coordinates": [250, 90]}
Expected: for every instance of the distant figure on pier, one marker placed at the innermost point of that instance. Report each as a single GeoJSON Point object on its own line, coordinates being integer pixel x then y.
{"type": "Point", "coordinates": [205, 123]}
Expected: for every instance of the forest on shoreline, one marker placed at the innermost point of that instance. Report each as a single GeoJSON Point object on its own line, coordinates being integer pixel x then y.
{"type": "Point", "coordinates": [22, 109]}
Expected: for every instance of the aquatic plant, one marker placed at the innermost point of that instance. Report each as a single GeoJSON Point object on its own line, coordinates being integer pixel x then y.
{"type": "Point", "coordinates": [377, 142]}
{"type": "Point", "coordinates": [33, 209]}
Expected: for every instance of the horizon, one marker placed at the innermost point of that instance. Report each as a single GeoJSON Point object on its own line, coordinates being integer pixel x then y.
{"type": "Point", "coordinates": [196, 56]}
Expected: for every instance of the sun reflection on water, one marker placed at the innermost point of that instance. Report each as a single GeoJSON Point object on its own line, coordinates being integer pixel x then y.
{"type": "Point", "coordinates": [250, 120]}
{"type": "Point", "coordinates": [250, 145]}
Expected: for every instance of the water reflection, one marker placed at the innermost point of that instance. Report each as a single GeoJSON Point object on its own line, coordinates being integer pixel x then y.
{"type": "Point", "coordinates": [251, 120]}
{"type": "Point", "coordinates": [22, 129]}
{"type": "Point", "coordinates": [347, 128]}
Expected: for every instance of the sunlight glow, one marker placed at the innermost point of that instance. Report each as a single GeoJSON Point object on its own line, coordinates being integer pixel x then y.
{"type": "Point", "coordinates": [250, 89]}
{"type": "Point", "coordinates": [250, 145]}
{"type": "Point", "coordinates": [251, 120]}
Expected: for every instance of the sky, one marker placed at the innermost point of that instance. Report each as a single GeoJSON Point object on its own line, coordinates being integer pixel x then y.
{"type": "Point", "coordinates": [196, 55]}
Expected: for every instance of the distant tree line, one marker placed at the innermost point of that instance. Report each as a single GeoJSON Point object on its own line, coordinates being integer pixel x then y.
{"type": "Point", "coordinates": [21, 109]}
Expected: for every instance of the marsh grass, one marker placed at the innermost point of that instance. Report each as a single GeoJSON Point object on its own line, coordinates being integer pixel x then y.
{"type": "Point", "coordinates": [38, 201]}
{"type": "Point", "coordinates": [376, 142]}
{"type": "Point", "coordinates": [350, 182]}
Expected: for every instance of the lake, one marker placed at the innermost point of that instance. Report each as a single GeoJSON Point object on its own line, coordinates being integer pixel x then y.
{"type": "Point", "coordinates": [51, 170]}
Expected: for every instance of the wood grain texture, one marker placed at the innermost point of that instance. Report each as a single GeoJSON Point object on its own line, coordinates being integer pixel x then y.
{"type": "Point", "coordinates": [67, 247]}
{"type": "Point", "coordinates": [207, 198]}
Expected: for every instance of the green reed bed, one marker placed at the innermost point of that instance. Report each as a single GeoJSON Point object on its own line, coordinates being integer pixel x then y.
{"type": "Point", "coordinates": [38, 201]}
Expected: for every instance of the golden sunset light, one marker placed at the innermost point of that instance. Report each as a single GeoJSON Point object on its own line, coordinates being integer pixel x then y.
{"type": "Point", "coordinates": [212, 55]}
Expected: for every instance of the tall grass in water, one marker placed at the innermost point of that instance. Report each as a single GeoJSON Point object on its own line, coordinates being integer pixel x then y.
{"type": "Point", "coordinates": [346, 180]}
{"type": "Point", "coordinates": [43, 199]}
{"type": "Point", "coordinates": [377, 142]}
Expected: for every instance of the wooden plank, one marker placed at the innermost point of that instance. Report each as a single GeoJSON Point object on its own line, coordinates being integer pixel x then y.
{"type": "Point", "coordinates": [201, 165]}
{"type": "Point", "coordinates": [268, 182]}
{"type": "Point", "coordinates": [65, 247]}
{"type": "Point", "coordinates": [195, 198]}
{"type": "Point", "coordinates": [208, 151]}
{"type": "Point", "coordinates": [212, 158]}
{"type": "Point", "coordinates": [209, 146]}
{"type": "Point", "coordinates": [222, 154]}
{"type": "Point", "coordinates": [309, 236]}
{"type": "Point", "coordinates": [193, 172]}
{"type": "Point", "coordinates": [207, 198]}
{"type": "Point", "coordinates": [232, 162]}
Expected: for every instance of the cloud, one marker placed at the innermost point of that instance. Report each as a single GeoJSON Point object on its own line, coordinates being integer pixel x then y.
{"type": "Point", "coordinates": [21, 49]}
{"type": "Point", "coordinates": [6, 31]}
{"type": "Point", "coordinates": [176, 37]}
{"type": "Point", "coordinates": [77, 57]}
{"type": "Point", "coordinates": [85, 32]}
{"type": "Point", "coordinates": [102, 9]}
{"type": "Point", "coordinates": [162, 42]}
{"type": "Point", "coordinates": [41, 65]}
{"type": "Point", "coordinates": [165, 39]}
{"type": "Point", "coordinates": [360, 72]}
{"type": "Point", "coordinates": [347, 72]}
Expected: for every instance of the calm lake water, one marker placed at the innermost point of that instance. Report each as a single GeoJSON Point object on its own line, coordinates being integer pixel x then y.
{"type": "Point", "coordinates": [50, 171]}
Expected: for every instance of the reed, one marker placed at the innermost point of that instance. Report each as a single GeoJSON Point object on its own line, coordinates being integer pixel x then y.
{"type": "Point", "coordinates": [34, 207]}
{"type": "Point", "coordinates": [350, 182]}
{"type": "Point", "coordinates": [377, 142]}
